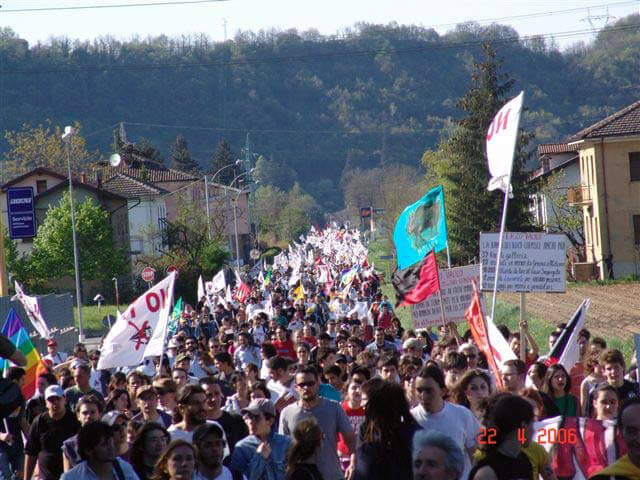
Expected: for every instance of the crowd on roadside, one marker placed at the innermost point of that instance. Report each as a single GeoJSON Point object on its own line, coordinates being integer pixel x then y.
{"type": "Point", "coordinates": [311, 376]}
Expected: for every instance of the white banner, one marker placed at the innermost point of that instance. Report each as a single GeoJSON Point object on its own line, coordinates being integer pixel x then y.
{"type": "Point", "coordinates": [30, 305]}
{"type": "Point", "coordinates": [501, 143]}
{"type": "Point", "coordinates": [219, 282]}
{"type": "Point", "coordinates": [139, 332]}
{"type": "Point", "coordinates": [457, 292]}
{"type": "Point", "coordinates": [531, 262]}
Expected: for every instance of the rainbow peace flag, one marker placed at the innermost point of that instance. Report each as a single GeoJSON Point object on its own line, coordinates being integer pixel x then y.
{"type": "Point", "coordinates": [15, 331]}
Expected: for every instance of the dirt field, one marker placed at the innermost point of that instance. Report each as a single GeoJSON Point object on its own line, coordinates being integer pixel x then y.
{"type": "Point", "coordinates": [614, 309]}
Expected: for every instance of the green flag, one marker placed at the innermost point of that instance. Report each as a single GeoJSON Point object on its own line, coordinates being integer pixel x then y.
{"type": "Point", "coordinates": [175, 317]}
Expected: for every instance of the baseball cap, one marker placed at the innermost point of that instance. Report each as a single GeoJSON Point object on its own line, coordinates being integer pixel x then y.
{"type": "Point", "coordinates": [260, 405]}
{"type": "Point", "coordinates": [182, 357]}
{"type": "Point", "coordinates": [110, 417]}
{"type": "Point", "coordinates": [52, 343]}
{"type": "Point", "coordinates": [145, 390]}
{"type": "Point", "coordinates": [53, 391]}
{"type": "Point", "coordinates": [173, 343]}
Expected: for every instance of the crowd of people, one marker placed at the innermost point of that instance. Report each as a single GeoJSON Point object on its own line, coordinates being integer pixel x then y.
{"type": "Point", "coordinates": [311, 376]}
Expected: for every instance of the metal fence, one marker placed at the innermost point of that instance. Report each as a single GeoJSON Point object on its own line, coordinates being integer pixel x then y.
{"type": "Point", "coordinates": [57, 311]}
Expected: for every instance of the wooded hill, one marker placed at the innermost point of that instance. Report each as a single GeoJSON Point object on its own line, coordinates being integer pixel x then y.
{"type": "Point", "coordinates": [320, 105]}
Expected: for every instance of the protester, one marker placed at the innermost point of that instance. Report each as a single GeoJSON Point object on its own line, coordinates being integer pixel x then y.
{"type": "Point", "coordinates": [151, 440]}
{"type": "Point", "coordinates": [147, 398]}
{"type": "Point", "coordinates": [177, 462]}
{"type": "Point", "coordinates": [89, 409]}
{"type": "Point", "coordinates": [626, 467]}
{"type": "Point", "coordinates": [605, 402]}
{"type": "Point", "coordinates": [557, 385]}
{"type": "Point", "coordinates": [98, 454]}
{"type": "Point", "coordinates": [436, 457]}
{"type": "Point", "coordinates": [262, 454]}
{"type": "Point", "coordinates": [471, 389]}
{"type": "Point", "coordinates": [47, 434]}
{"type": "Point", "coordinates": [210, 446]}
{"type": "Point", "coordinates": [304, 456]}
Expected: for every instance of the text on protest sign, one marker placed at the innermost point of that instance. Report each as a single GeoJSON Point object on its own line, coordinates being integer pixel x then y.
{"type": "Point", "coordinates": [455, 285]}
{"type": "Point", "coordinates": [531, 262]}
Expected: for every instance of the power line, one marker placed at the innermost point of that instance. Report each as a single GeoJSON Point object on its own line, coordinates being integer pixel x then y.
{"type": "Point", "coordinates": [120, 5]}
{"type": "Point", "coordinates": [320, 56]}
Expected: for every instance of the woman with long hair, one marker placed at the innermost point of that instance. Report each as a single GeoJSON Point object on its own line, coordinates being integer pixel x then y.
{"type": "Point", "coordinates": [177, 462]}
{"type": "Point", "coordinates": [387, 433]}
{"type": "Point", "coordinates": [120, 401]}
{"type": "Point", "coordinates": [473, 387]}
{"type": "Point", "coordinates": [239, 400]}
{"type": "Point", "coordinates": [151, 440]}
{"type": "Point", "coordinates": [536, 374]}
{"type": "Point", "coordinates": [508, 421]}
{"type": "Point", "coordinates": [593, 378]}
{"type": "Point", "coordinates": [557, 384]}
{"type": "Point", "coordinates": [303, 454]}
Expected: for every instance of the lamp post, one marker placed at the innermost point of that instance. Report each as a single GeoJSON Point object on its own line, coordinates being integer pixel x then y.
{"type": "Point", "coordinates": [69, 132]}
{"type": "Point", "coordinates": [206, 193]}
{"type": "Point", "coordinates": [235, 215]}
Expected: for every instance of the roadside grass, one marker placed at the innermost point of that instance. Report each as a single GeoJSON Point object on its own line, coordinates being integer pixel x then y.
{"type": "Point", "coordinates": [92, 318]}
{"type": "Point", "coordinates": [506, 313]}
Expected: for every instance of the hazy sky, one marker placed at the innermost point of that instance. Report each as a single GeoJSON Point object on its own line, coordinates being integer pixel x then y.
{"type": "Point", "coordinates": [327, 16]}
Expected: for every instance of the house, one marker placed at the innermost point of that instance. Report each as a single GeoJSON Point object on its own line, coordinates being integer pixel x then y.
{"type": "Point", "coordinates": [48, 187]}
{"type": "Point", "coordinates": [554, 158]}
{"type": "Point", "coordinates": [609, 192]}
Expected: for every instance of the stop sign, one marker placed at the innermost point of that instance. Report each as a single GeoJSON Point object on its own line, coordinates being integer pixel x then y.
{"type": "Point", "coordinates": [172, 268]}
{"type": "Point", "coordinates": [148, 274]}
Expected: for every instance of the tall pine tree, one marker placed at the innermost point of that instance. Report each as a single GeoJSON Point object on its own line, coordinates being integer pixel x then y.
{"type": "Point", "coordinates": [460, 164]}
{"type": "Point", "coordinates": [181, 158]}
{"type": "Point", "coordinates": [222, 157]}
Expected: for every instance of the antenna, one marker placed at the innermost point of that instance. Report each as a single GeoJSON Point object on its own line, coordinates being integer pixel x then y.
{"type": "Point", "coordinates": [114, 160]}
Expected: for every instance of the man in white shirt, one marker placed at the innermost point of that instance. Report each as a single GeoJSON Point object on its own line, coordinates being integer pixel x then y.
{"type": "Point", "coordinates": [55, 357]}
{"type": "Point", "coordinates": [434, 413]}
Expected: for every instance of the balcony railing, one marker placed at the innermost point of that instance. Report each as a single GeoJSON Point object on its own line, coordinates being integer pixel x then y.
{"type": "Point", "coordinates": [579, 195]}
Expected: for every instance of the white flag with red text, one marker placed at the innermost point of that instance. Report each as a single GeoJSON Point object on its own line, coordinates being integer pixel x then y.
{"type": "Point", "coordinates": [30, 305]}
{"type": "Point", "coordinates": [501, 143]}
{"type": "Point", "coordinates": [139, 332]}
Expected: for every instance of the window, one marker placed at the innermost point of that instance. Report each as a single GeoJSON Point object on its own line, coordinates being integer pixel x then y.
{"type": "Point", "coordinates": [636, 229]}
{"type": "Point", "coordinates": [634, 166]}
{"type": "Point", "coordinates": [41, 186]}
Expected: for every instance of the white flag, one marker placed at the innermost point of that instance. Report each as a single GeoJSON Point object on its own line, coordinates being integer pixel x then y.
{"type": "Point", "coordinates": [501, 143]}
{"type": "Point", "coordinates": [30, 305]}
{"type": "Point", "coordinates": [499, 345]}
{"type": "Point", "coordinates": [201, 290]}
{"type": "Point", "coordinates": [219, 282]}
{"type": "Point", "coordinates": [139, 332]}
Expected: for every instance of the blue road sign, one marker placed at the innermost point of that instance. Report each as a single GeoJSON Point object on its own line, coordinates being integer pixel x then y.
{"type": "Point", "coordinates": [386, 257]}
{"type": "Point", "coordinates": [22, 212]}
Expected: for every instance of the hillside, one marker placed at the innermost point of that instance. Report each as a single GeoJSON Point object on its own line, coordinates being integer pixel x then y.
{"type": "Point", "coordinates": [379, 94]}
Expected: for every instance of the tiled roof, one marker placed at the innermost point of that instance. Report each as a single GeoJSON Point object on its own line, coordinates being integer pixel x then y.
{"type": "Point", "coordinates": [129, 187]}
{"type": "Point", "coordinates": [550, 148]}
{"type": "Point", "coordinates": [141, 168]}
{"type": "Point", "coordinates": [623, 122]}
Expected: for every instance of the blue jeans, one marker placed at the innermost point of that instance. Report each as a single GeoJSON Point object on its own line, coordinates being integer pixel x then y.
{"type": "Point", "coordinates": [11, 462]}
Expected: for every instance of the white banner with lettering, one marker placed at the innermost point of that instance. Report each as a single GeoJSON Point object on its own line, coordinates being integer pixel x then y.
{"type": "Point", "coordinates": [455, 285]}
{"type": "Point", "coordinates": [139, 332]}
{"type": "Point", "coordinates": [31, 306]}
{"type": "Point", "coordinates": [531, 262]}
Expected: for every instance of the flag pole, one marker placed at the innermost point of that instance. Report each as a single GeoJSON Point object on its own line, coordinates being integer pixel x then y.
{"type": "Point", "coordinates": [502, 226]}
{"type": "Point", "coordinates": [444, 322]}
{"type": "Point", "coordinates": [448, 256]}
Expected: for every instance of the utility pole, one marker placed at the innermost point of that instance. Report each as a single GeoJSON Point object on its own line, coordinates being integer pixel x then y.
{"type": "Point", "coordinates": [3, 263]}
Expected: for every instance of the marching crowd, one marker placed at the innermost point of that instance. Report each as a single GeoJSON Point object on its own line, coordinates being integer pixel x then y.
{"type": "Point", "coordinates": [311, 376]}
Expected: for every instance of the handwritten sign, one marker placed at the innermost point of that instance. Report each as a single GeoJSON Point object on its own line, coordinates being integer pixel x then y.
{"type": "Point", "coordinates": [531, 262]}
{"type": "Point", "coordinates": [455, 284]}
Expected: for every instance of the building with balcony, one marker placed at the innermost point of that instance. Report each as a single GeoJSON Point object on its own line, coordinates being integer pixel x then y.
{"type": "Point", "coordinates": [609, 192]}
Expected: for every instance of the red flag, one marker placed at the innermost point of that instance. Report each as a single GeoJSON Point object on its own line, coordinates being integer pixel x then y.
{"type": "Point", "coordinates": [417, 282]}
{"type": "Point", "coordinates": [478, 328]}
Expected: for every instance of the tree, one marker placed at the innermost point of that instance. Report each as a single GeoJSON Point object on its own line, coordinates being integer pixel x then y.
{"type": "Point", "coordinates": [271, 172]}
{"type": "Point", "coordinates": [99, 256]}
{"type": "Point", "coordinates": [222, 157]}
{"type": "Point", "coordinates": [146, 149]}
{"type": "Point", "coordinates": [42, 146]}
{"type": "Point", "coordinates": [181, 158]}
{"type": "Point", "coordinates": [564, 218]}
{"type": "Point", "coordinates": [460, 164]}
{"type": "Point", "coordinates": [266, 204]}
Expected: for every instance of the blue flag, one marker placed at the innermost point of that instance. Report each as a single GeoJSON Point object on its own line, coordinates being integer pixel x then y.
{"type": "Point", "coordinates": [421, 227]}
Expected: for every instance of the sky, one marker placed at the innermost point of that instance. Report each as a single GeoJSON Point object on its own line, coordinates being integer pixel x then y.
{"type": "Point", "coordinates": [126, 18]}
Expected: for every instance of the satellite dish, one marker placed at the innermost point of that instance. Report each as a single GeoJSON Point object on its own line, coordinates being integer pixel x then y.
{"type": "Point", "coordinates": [114, 160]}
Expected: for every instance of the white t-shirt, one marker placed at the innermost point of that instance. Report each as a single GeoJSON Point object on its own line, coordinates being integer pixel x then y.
{"type": "Point", "coordinates": [225, 474]}
{"type": "Point", "coordinates": [457, 422]}
{"type": "Point", "coordinates": [56, 359]}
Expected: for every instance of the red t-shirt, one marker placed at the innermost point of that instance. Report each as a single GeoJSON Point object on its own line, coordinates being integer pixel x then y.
{"type": "Point", "coordinates": [285, 349]}
{"type": "Point", "coordinates": [310, 340]}
{"type": "Point", "coordinates": [384, 320]}
{"type": "Point", "coordinates": [356, 417]}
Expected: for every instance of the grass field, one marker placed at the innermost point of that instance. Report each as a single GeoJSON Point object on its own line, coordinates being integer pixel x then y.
{"type": "Point", "coordinates": [92, 318]}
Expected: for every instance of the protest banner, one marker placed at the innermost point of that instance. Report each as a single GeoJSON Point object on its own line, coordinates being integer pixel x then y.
{"type": "Point", "coordinates": [455, 284]}
{"type": "Point", "coordinates": [530, 262]}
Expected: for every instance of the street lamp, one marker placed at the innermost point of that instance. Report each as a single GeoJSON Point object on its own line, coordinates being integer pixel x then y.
{"type": "Point", "coordinates": [69, 132]}
{"type": "Point", "coordinates": [235, 215]}
{"type": "Point", "coordinates": [206, 193]}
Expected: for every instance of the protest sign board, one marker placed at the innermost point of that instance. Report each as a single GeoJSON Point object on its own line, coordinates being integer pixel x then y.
{"type": "Point", "coordinates": [455, 285]}
{"type": "Point", "coordinates": [531, 262]}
